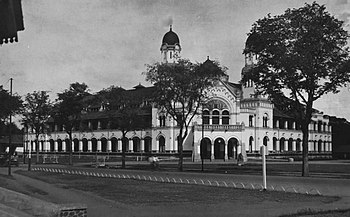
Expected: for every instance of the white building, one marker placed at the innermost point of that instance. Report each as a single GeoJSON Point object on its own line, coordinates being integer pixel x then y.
{"type": "Point", "coordinates": [232, 121]}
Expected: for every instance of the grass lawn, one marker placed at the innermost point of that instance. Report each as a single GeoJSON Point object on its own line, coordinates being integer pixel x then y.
{"type": "Point", "coordinates": [168, 196]}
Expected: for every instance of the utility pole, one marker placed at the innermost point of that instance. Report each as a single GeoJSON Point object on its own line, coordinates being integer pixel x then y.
{"type": "Point", "coordinates": [10, 134]}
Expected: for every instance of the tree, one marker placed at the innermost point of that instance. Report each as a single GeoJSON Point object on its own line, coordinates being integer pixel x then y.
{"type": "Point", "coordinates": [37, 110]}
{"type": "Point", "coordinates": [68, 108]}
{"type": "Point", "coordinates": [9, 104]}
{"type": "Point", "coordinates": [180, 90]}
{"type": "Point", "coordinates": [126, 111]}
{"type": "Point", "coordinates": [301, 55]}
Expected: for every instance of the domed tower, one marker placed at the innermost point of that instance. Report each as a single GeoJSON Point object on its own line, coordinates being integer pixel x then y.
{"type": "Point", "coordinates": [250, 60]}
{"type": "Point", "coordinates": [170, 49]}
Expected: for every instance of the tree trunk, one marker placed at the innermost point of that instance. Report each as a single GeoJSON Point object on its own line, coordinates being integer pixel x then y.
{"type": "Point", "coordinates": [305, 129]}
{"type": "Point", "coordinates": [70, 149]}
{"type": "Point", "coordinates": [305, 165]}
{"type": "Point", "coordinates": [37, 149]}
{"type": "Point", "coordinates": [123, 151]}
{"type": "Point", "coordinates": [180, 150]}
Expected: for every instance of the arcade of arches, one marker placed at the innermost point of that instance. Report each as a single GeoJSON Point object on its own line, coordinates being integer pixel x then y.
{"type": "Point", "coordinates": [219, 148]}
{"type": "Point", "coordinates": [134, 144]}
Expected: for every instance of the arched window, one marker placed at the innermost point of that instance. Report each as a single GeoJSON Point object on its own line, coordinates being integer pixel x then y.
{"type": "Point", "coordinates": [225, 117]}
{"type": "Point", "coordinates": [251, 117]}
{"type": "Point", "coordinates": [265, 119]}
{"type": "Point", "coordinates": [162, 120]}
{"type": "Point", "coordinates": [206, 117]}
{"type": "Point", "coordinates": [215, 117]}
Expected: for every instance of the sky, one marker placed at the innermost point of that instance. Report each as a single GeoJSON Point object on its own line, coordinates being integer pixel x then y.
{"type": "Point", "coordinates": [109, 42]}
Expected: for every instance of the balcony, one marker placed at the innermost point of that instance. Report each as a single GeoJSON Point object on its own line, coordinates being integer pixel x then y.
{"type": "Point", "coordinates": [217, 127]}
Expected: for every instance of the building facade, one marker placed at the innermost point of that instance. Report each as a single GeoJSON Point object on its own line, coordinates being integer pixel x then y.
{"type": "Point", "coordinates": [232, 121]}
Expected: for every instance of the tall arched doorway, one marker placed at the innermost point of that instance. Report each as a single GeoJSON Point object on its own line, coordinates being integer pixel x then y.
{"type": "Point", "coordinates": [114, 144]}
{"type": "Point", "coordinates": [219, 148]}
{"type": "Point", "coordinates": [85, 145]}
{"type": "Point", "coordinates": [76, 144]}
{"type": "Point", "coordinates": [251, 140]}
{"type": "Point", "coordinates": [103, 144]}
{"type": "Point", "coordinates": [161, 140]}
{"type": "Point", "coordinates": [136, 144]}
{"type": "Point", "coordinates": [206, 148]}
{"type": "Point", "coordinates": [282, 140]}
{"type": "Point", "coordinates": [148, 144]}
{"type": "Point", "coordinates": [290, 144]}
{"type": "Point", "coordinates": [94, 145]}
{"type": "Point", "coordinates": [232, 148]}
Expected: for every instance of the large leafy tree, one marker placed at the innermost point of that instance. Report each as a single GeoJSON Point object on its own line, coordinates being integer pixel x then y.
{"type": "Point", "coordinates": [181, 89]}
{"type": "Point", "coordinates": [126, 111]}
{"type": "Point", "coordinates": [68, 108]}
{"type": "Point", "coordinates": [301, 55]}
{"type": "Point", "coordinates": [9, 104]}
{"type": "Point", "coordinates": [37, 110]}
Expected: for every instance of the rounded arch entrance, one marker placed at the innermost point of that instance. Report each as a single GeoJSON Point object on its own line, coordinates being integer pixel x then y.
{"type": "Point", "coordinates": [148, 144]}
{"type": "Point", "coordinates": [232, 148]}
{"type": "Point", "coordinates": [114, 142]}
{"type": "Point", "coordinates": [136, 144]}
{"type": "Point", "coordinates": [94, 144]}
{"type": "Point", "coordinates": [103, 144]}
{"type": "Point", "coordinates": [219, 148]}
{"type": "Point", "coordinates": [52, 145]}
{"type": "Point", "coordinates": [85, 145]}
{"type": "Point", "coordinates": [76, 144]}
{"type": "Point", "coordinates": [205, 148]}
{"type": "Point", "coordinates": [161, 140]}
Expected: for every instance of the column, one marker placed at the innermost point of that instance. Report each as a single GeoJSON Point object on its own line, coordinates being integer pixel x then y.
{"type": "Point", "coordinates": [99, 145]}
{"type": "Point", "coordinates": [63, 145]}
{"type": "Point", "coordinates": [294, 145]}
{"type": "Point", "coordinates": [131, 145]}
{"type": "Point", "coordinates": [286, 143]}
{"type": "Point", "coordinates": [157, 146]}
{"type": "Point", "coordinates": [142, 145]}
{"type": "Point", "coordinates": [119, 145]}
{"type": "Point", "coordinates": [80, 145]}
{"type": "Point", "coordinates": [56, 146]}
{"type": "Point", "coordinates": [212, 151]}
{"type": "Point", "coordinates": [278, 145]}
{"type": "Point", "coordinates": [89, 145]}
{"type": "Point", "coordinates": [99, 125]}
{"type": "Point", "coordinates": [47, 144]}
{"type": "Point", "coordinates": [226, 156]}
{"type": "Point", "coordinates": [109, 145]}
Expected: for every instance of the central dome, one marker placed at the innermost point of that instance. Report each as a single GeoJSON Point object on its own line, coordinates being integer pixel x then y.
{"type": "Point", "coordinates": [171, 38]}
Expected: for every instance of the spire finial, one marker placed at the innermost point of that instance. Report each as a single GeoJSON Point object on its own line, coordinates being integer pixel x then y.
{"type": "Point", "coordinates": [207, 57]}
{"type": "Point", "coordinates": [171, 27]}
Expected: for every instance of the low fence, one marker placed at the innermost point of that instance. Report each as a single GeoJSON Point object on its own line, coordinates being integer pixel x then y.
{"type": "Point", "coordinates": [168, 179]}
